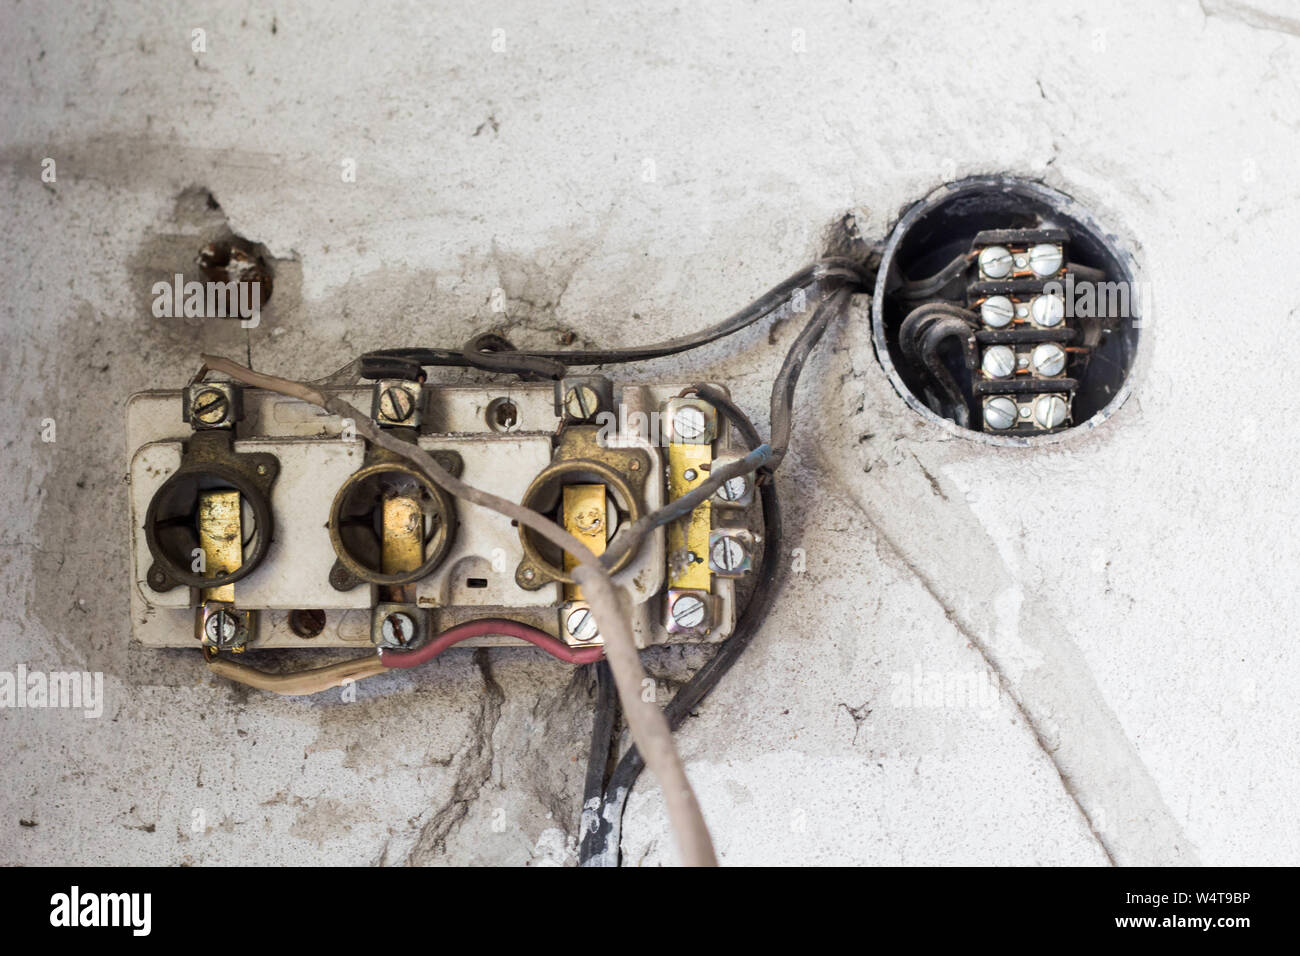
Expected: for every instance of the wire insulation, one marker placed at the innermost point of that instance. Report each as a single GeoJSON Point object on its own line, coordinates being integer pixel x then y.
{"type": "Point", "coordinates": [492, 626]}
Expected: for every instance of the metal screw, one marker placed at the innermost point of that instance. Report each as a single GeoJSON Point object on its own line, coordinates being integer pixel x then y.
{"type": "Point", "coordinates": [999, 412]}
{"type": "Point", "coordinates": [688, 611]}
{"type": "Point", "coordinates": [396, 404]}
{"type": "Point", "coordinates": [690, 474]}
{"type": "Point", "coordinates": [398, 629]}
{"type": "Point", "coordinates": [689, 422]}
{"type": "Point", "coordinates": [995, 261]}
{"type": "Point", "coordinates": [528, 574]}
{"type": "Point", "coordinates": [999, 361]}
{"type": "Point", "coordinates": [1050, 410]}
{"type": "Point", "coordinates": [582, 402]}
{"type": "Point", "coordinates": [221, 628]}
{"type": "Point", "coordinates": [1045, 259]}
{"type": "Point", "coordinates": [996, 311]}
{"type": "Point", "coordinates": [1048, 310]}
{"type": "Point", "coordinates": [1049, 359]}
{"type": "Point", "coordinates": [210, 406]}
{"type": "Point", "coordinates": [581, 625]}
{"type": "Point", "coordinates": [727, 555]}
{"type": "Point", "coordinates": [733, 489]}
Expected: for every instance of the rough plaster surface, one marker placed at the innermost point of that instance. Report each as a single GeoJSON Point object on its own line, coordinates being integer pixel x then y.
{"type": "Point", "coordinates": [1107, 619]}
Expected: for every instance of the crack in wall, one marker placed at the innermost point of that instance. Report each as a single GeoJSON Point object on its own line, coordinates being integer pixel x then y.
{"type": "Point", "coordinates": [1040, 724]}
{"type": "Point", "coordinates": [1004, 681]}
{"type": "Point", "coordinates": [473, 773]}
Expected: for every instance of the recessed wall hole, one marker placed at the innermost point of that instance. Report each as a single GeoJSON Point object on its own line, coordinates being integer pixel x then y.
{"type": "Point", "coordinates": [1005, 313]}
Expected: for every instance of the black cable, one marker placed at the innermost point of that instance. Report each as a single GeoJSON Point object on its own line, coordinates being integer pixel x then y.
{"type": "Point", "coordinates": [600, 847]}
{"type": "Point", "coordinates": [494, 353]}
{"type": "Point", "coordinates": [935, 335]}
{"type": "Point", "coordinates": [602, 739]}
{"type": "Point", "coordinates": [919, 337]}
{"type": "Point", "coordinates": [782, 407]}
{"type": "Point", "coordinates": [830, 268]}
{"type": "Point", "coordinates": [502, 357]}
{"type": "Point", "coordinates": [933, 285]}
{"type": "Point", "coordinates": [918, 320]}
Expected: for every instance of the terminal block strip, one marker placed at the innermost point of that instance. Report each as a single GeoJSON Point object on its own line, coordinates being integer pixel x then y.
{"type": "Point", "coordinates": [1021, 382]}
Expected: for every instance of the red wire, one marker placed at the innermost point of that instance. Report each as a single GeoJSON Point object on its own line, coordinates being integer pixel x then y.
{"type": "Point", "coordinates": [492, 625]}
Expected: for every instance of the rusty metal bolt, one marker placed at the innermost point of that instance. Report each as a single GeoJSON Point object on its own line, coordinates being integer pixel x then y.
{"type": "Point", "coordinates": [398, 629]}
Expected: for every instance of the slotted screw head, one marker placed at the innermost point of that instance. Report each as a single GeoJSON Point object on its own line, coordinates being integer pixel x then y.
{"type": "Point", "coordinates": [688, 422]}
{"type": "Point", "coordinates": [1048, 310]}
{"type": "Point", "coordinates": [1050, 410]}
{"type": "Point", "coordinates": [581, 402]}
{"type": "Point", "coordinates": [221, 628]}
{"type": "Point", "coordinates": [581, 625]}
{"type": "Point", "coordinates": [996, 311]}
{"type": "Point", "coordinates": [995, 261]}
{"type": "Point", "coordinates": [999, 361]}
{"type": "Point", "coordinates": [210, 406]}
{"type": "Point", "coordinates": [733, 489]}
{"type": "Point", "coordinates": [1049, 359]}
{"type": "Point", "coordinates": [727, 554]}
{"type": "Point", "coordinates": [1045, 259]}
{"type": "Point", "coordinates": [398, 629]}
{"type": "Point", "coordinates": [396, 404]}
{"type": "Point", "coordinates": [688, 611]}
{"type": "Point", "coordinates": [1000, 412]}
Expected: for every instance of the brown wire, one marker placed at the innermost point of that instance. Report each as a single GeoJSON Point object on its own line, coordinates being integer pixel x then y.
{"type": "Point", "coordinates": [299, 683]}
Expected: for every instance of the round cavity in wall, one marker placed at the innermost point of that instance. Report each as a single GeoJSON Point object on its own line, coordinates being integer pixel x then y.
{"type": "Point", "coordinates": [1005, 313]}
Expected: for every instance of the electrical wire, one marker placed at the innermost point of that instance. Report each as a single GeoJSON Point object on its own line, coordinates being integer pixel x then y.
{"type": "Point", "coordinates": [300, 683]}
{"type": "Point", "coordinates": [605, 715]}
{"type": "Point", "coordinates": [602, 826]}
{"type": "Point", "coordinates": [645, 721]}
{"type": "Point", "coordinates": [510, 360]}
{"type": "Point", "coordinates": [492, 625]}
{"type": "Point", "coordinates": [782, 403]}
{"type": "Point", "coordinates": [933, 285]}
{"type": "Point", "coordinates": [783, 388]}
{"type": "Point", "coordinates": [936, 334]}
{"type": "Point", "coordinates": [314, 680]}
{"type": "Point", "coordinates": [921, 334]}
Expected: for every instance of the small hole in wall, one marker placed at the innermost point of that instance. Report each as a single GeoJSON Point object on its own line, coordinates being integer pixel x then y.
{"type": "Point", "coordinates": [476, 583]}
